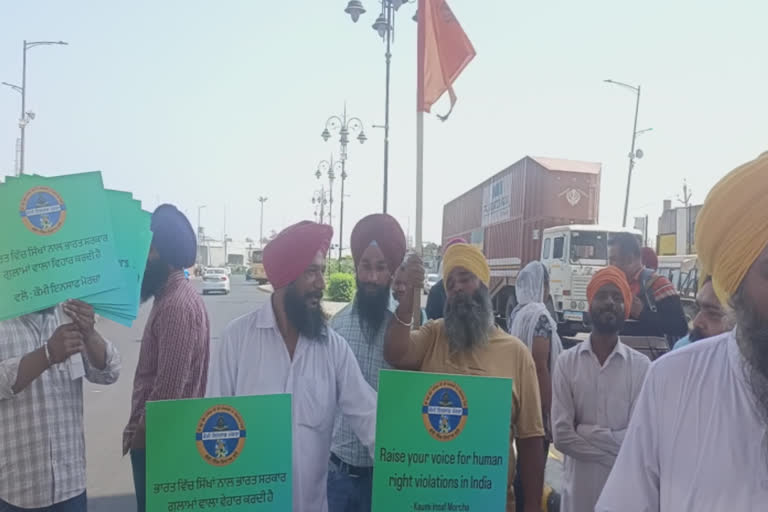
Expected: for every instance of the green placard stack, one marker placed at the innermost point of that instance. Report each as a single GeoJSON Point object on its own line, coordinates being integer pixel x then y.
{"type": "Point", "coordinates": [67, 237]}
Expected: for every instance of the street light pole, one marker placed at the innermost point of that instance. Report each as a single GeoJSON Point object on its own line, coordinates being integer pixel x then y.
{"type": "Point", "coordinates": [385, 26]}
{"type": "Point", "coordinates": [22, 120]}
{"type": "Point", "coordinates": [330, 168]}
{"type": "Point", "coordinates": [199, 233]}
{"type": "Point", "coordinates": [632, 155]}
{"type": "Point", "coordinates": [25, 117]}
{"type": "Point", "coordinates": [262, 200]}
{"type": "Point", "coordinates": [345, 127]}
{"type": "Point", "coordinates": [388, 57]}
{"type": "Point", "coordinates": [199, 210]}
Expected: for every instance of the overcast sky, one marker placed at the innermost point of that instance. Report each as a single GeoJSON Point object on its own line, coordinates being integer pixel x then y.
{"type": "Point", "coordinates": [217, 102]}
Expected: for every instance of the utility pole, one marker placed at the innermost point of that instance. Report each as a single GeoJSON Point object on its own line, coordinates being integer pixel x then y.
{"type": "Point", "coordinates": [646, 230]}
{"type": "Point", "coordinates": [686, 201]}
{"type": "Point", "coordinates": [262, 200]}
{"type": "Point", "coordinates": [225, 235]}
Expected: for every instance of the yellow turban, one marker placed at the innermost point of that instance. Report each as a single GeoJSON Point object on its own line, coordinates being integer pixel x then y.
{"type": "Point", "coordinates": [732, 227]}
{"type": "Point", "coordinates": [468, 257]}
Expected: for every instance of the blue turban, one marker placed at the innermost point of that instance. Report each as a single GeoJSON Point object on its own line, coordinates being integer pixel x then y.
{"type": "Point", "coordinates": [173, 237]}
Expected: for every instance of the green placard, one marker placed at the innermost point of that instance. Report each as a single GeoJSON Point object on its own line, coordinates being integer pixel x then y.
{"type": "Point", "coordinates": [56, 242]}
{"type": "Point", "coordinates": [442, 442]}
{"type": "Point", "coordinates": [229, 453]}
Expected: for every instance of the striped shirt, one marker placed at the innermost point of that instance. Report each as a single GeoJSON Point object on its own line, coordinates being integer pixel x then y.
{"type": "Point", "coordinates": [659, 286]}
{"type": "Point", "coordinates": [370, 356]}
{"type": "Point", "coordinates": [173, 362]}
{"type": "Point", "coordinates": [42, 441]}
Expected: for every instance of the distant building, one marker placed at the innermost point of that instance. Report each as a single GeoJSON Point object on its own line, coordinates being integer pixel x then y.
{"type": "Point", "coordinates": [213, 253]}
{"type": "Point", "coordinates": [676, 230]}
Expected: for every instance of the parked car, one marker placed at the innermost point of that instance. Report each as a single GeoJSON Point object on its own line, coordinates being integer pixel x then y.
{"type": "Point", "coordinates": [216, 280]}
{"type": "Point", "coordinates": [430, 281]}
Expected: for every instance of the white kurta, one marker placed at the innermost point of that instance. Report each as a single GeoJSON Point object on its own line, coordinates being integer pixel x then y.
{"type": "Point", "coordinates": [696, 442]}
{"type": "Point", "coordinates": [591, 408]}
{"type": "Point", "coordinates": [323, 378]}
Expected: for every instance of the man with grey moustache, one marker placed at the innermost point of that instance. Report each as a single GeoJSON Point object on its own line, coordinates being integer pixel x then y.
{"type": "Point", "coordinates": [466, 341]}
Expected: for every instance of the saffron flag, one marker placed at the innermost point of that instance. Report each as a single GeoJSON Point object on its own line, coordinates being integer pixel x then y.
{"type": "Point", "coordinates": [444, 51]}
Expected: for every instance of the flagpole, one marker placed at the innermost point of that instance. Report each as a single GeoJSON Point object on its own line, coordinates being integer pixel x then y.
{"type": "Point", "coordinates": [419, 208]}
{"type": "Point", "coordinates": [421, 12]}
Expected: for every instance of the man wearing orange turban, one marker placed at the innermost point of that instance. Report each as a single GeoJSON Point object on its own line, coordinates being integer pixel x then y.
{"type": "Point", "coordinates": [697, 436]}
{"type": "Point", "coordinates": [286, 347]}
{"type": "Point", "coordinates": [594, 388]}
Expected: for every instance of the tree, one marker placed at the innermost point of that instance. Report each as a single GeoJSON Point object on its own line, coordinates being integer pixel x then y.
{"type": "Point", "coordinates": [272, 235]}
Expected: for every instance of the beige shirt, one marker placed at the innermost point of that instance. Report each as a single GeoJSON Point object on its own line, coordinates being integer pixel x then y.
{"type": "Point", "coordinates": [504, 356]}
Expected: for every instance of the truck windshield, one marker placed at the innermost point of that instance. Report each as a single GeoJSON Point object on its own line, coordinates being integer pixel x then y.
{"type": "Point", "coordinates": [256, 257]}
{"type": "Point", "coordinates": [589, 245]}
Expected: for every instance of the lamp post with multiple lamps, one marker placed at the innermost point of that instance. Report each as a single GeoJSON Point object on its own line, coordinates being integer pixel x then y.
{"type": "Point", "coordinates": [633, 154]}
{"type": "Point", "coordinates": [319, 200]}
{"type": "Point", "coordinates": [345, 127]}
{"type": "Point", "coordinates": [385, 27]}
{"type": "Point", "coordinates": [329, 168]}
{"type": "Point", "coordinates": [25, 116]}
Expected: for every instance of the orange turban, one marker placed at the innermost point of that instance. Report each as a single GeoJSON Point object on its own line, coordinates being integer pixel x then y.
{"type": "Point", "coordinates": [611, 275]}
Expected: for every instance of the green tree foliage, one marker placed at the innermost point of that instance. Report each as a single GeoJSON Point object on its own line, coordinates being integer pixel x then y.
{"type": "Point", "coordinates": [341, 287]}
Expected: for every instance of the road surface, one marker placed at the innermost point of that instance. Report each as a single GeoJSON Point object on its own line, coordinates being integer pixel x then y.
{"type": "Point", "coordinates": [110, 481]}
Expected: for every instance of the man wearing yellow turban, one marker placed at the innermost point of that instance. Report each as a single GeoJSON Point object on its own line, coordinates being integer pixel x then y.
{"type": "Point", "coordinates": [467, 341]}
{"type": "Point", "coordinates": [696, 440]}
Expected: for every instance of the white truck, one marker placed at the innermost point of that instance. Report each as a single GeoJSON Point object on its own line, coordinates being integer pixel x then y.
{"type": "Point", "coordinates": [572, 254]}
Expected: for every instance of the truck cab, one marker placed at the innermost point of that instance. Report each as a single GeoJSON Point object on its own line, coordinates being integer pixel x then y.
{"type": "Point", "coordinates": [683, 272]}
{"type": "Point", "coordinates": [572, 254]}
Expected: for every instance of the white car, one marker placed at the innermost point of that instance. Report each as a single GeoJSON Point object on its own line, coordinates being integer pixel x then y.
{"type": "Point", "coordinates": [216, 280]}
{"type": "Point", "coordinates": [430, 281]}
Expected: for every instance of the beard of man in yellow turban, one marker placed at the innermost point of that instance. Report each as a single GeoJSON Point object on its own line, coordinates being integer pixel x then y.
{"type": "Point", "coordinates": [468, 308]}
{"type": "Point", "coordinates": [731, 240]}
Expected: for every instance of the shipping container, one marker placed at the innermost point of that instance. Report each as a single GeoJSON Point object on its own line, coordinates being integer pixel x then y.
{"type": "Point", "coordinates": [506, 214]}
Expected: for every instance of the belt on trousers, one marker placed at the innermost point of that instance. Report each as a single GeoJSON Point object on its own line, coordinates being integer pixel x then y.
{"type": "Point", "coordinates": [351, 470]}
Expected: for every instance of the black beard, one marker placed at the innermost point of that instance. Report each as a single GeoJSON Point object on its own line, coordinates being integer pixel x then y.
{"type": "Point", "coordinates": [309, 321]}
{"type": "Point", "coordinates": [372, 304]}
{"type": "Point", "coordinates": [468, 320]}
{"type": "Point", "coordinates": [752, 337]}
{"type": "Point", "coordinates": [608, 326]}
{"type": "Point", "coordinates": [155, 276]}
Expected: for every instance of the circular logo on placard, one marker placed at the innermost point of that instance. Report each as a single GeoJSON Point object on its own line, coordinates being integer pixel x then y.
{"type": "Point", "coordinates": [42, 210]}
{"type": "Point", "coordinates": [220, 435]}
{"type": "Point", "coordinates": [445, 410]}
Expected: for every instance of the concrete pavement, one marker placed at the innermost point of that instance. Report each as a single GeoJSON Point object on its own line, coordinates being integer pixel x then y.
{"type": "Point", "coordinates": [110, 480]}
